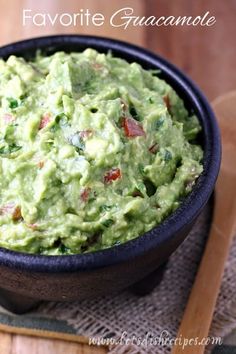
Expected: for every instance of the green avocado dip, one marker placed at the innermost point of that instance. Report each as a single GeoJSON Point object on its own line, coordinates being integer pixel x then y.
{"type": "Point", "coordinates": [94, 152]}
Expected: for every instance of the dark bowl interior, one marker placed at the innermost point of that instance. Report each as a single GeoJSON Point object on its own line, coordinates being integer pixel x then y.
{"type": "Point", "coordinates": [178, 223]}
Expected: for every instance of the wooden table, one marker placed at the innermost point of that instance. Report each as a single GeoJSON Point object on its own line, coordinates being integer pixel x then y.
{"type": "Point", "coordinates": [206, 54]}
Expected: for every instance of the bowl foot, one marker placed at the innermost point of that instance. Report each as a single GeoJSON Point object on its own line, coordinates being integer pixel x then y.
{"type": "Point", "coordinates": [146, 285]}
{"type": "Point", "coordinates": [16, 303]}
{"type": "Point", "coordinates": [20, 304]}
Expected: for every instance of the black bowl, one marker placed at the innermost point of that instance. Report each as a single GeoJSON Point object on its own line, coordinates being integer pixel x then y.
{"type": "Point", "coordinates": [26, 279]}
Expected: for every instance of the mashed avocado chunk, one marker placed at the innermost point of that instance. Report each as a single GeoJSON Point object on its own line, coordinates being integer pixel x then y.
{"type": "Point", "coordinates": [94, 151]}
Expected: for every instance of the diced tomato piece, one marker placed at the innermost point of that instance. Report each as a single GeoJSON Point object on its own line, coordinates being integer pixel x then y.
{"type": "Point", "coordinates": [8, 118]}
{"type": "Point", "coordinates": [112, 175]}
{"type": "Point", "coordinates": [12, 209]}
{"type": "Point", "coordinates": [98, 66]}
{"type": "Point", "coordinates": [32, 226]}
{"type": "Point", "coordinates": [7, 208]}
{"type": "Point", "coordinates": [44, 121]}
{"type": "Point", "coordinates": [154, 148]}
{"type": "Point", "coordinates": [85, 194]}
{"type": "Point", "coordinates": [132, 128]}
{"type": "Point", "coordinates": [40, 164]}
{"type": "Point", "coordinates": [167, 102]}
{"type": "Point", "coordinates": [16, 215]}
{"type": "Point", "coordinates": [85, 133]}
{"type": "Point", "coordinates": [137, 193]}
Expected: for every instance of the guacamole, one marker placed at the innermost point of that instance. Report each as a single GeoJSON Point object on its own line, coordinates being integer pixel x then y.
{"type": "Point", "coordinates": [94, 151]}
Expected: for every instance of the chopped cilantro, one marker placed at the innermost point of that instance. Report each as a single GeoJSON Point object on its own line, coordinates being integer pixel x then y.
{"type": "Point", "coordinates": [8, 149]}
{"type": "Point", "coordinates": [141, 169]}
{"type": "Point", "coordinates": [13, 103]}
{"type": "Point", "coordinates": [167, 155]}
{"type": "Point", "coordinates": [107, 222]}
{"type": "Point", "coordinates": [141, 187]}
{"type": "Point", "coordinates": [104, 208]}
{"type": "Point", "coordinates": [61, 120]}
{"type": "Point", "coordinates": [159, 122]}
{"type": "Point", "coordinates": [63, 249]}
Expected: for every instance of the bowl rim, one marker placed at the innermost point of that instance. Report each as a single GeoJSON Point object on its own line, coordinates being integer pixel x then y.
{"type": "Point", "coordinates": [174, 223]}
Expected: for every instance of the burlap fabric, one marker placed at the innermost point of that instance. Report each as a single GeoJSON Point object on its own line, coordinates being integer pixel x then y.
{"type": "Point", "coordinates": [158, 314]}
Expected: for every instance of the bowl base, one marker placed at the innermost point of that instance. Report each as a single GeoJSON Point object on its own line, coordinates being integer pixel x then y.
{"type": "Point", "coordinates": [146, 285]}
{"type": "Point", "coordinates": [20, 304]}
{"type": "Point", "coordinates": [17, 303]}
